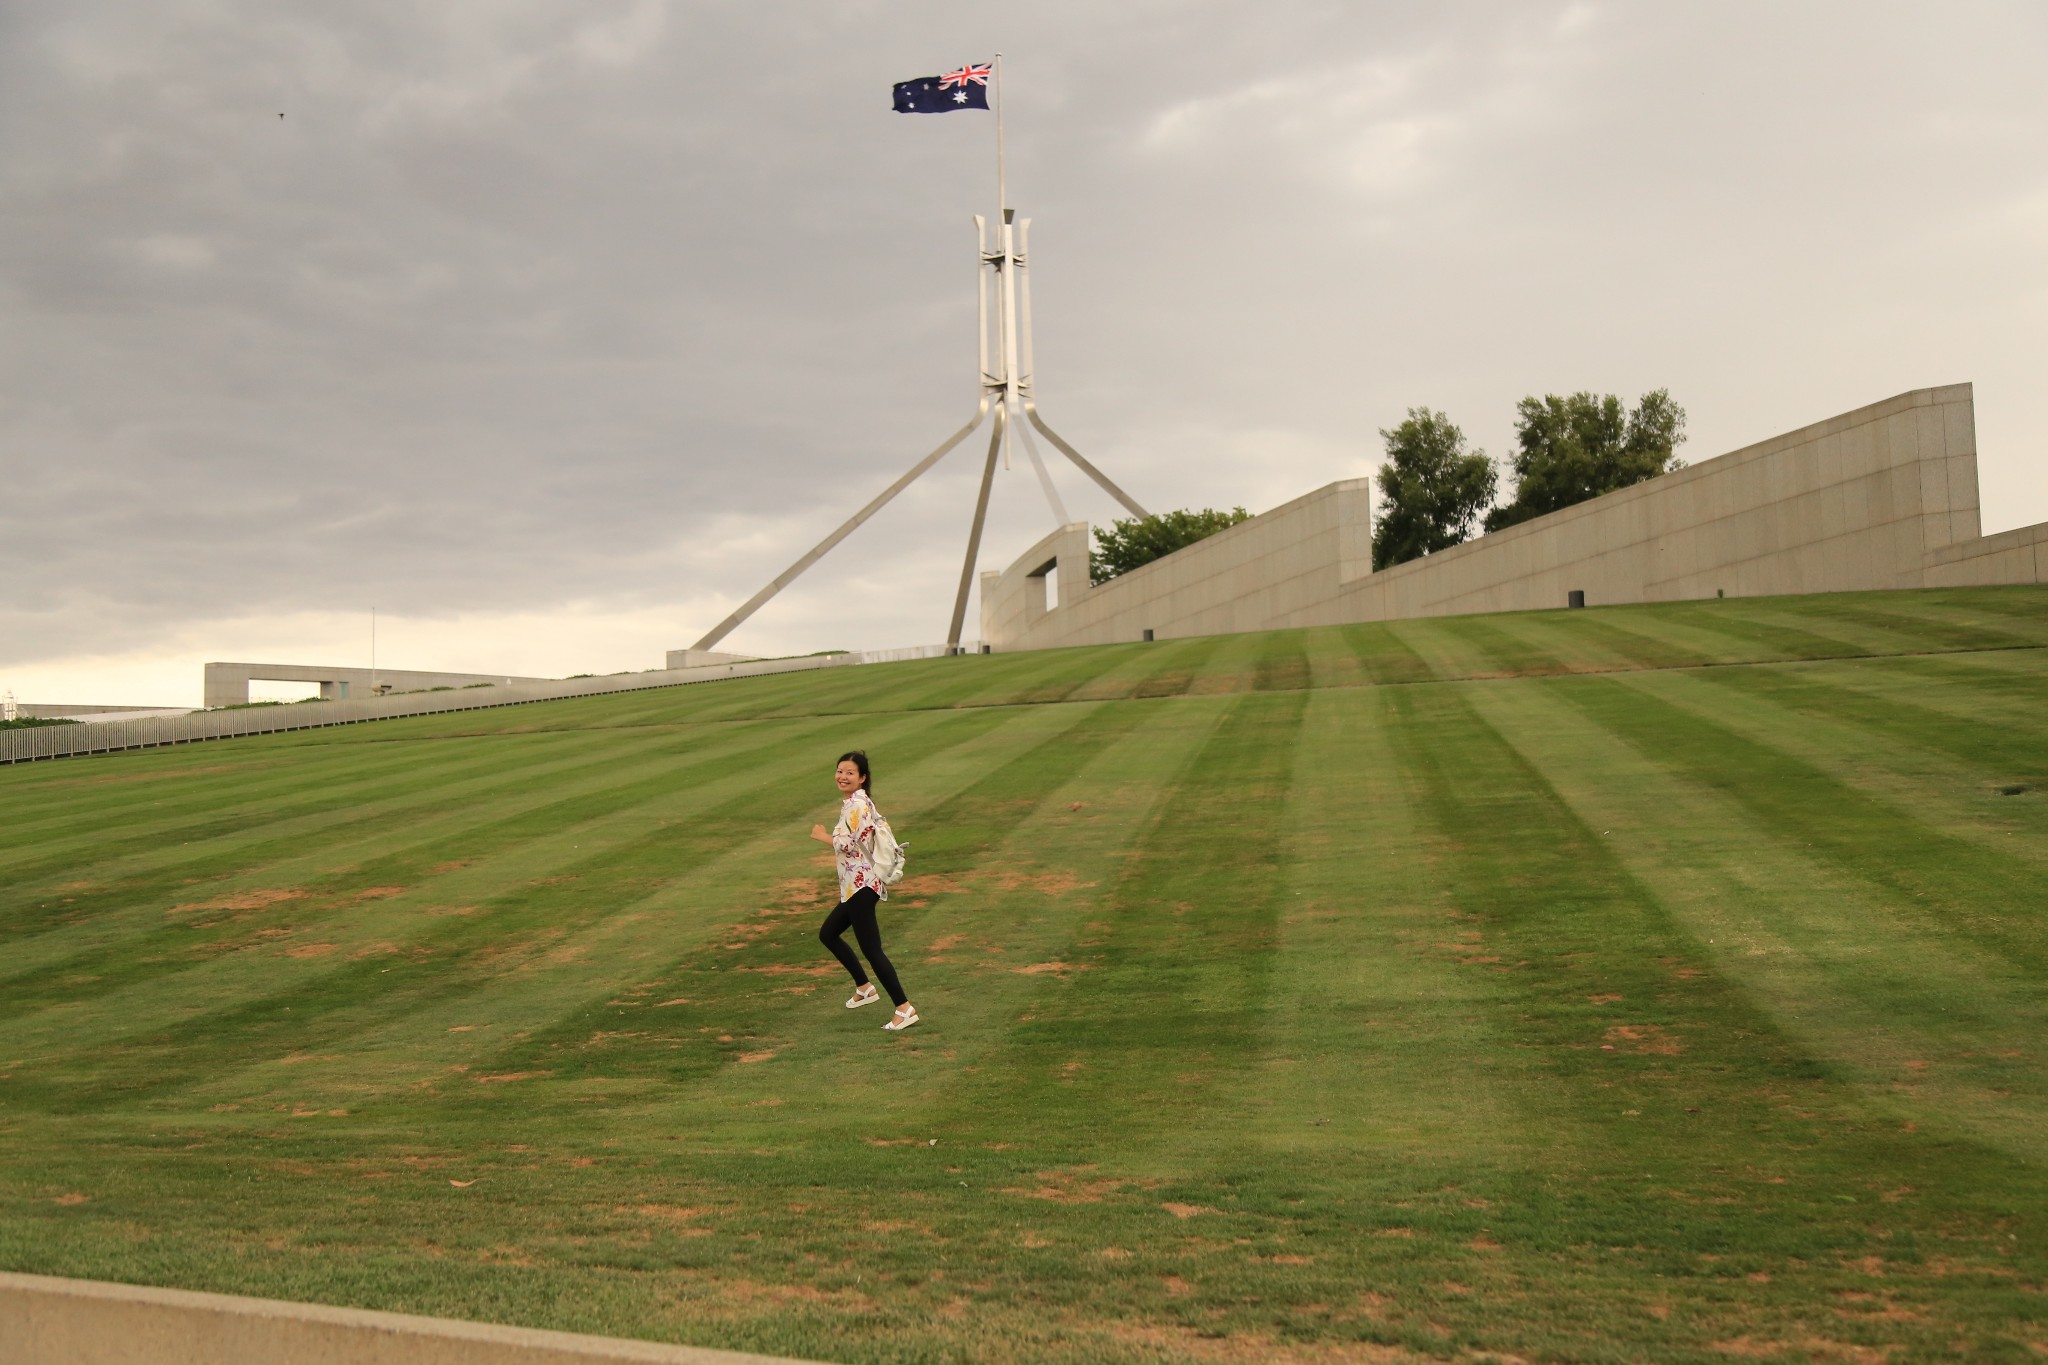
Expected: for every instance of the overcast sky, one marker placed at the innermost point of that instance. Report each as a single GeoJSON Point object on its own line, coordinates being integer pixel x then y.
{"type": "Point", "coordinates": [554, 330]}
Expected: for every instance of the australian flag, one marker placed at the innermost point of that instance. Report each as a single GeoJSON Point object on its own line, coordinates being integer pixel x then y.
{"type": "Point", "coordinates": [966, 88]}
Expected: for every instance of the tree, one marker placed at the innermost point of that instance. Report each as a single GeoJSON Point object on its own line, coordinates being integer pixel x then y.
{"type": "Point", "coordinates": [1140, 540]}
{"type": "Point", "coordinates": [1432, 489]}
{"type": "Point", "coordinates": [1572, 449]}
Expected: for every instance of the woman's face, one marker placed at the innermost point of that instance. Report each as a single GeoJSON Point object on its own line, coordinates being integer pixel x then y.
{"type": "Point", "coordinates": [847, 778]}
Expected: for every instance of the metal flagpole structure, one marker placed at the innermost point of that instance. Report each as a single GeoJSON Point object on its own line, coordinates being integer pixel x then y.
{"type": "Point", "coordinates": [1003, 273]}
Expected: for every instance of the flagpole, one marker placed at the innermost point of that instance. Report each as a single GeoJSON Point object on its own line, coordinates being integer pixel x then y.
{"type": "Point", "coordinates": [1002, 188]}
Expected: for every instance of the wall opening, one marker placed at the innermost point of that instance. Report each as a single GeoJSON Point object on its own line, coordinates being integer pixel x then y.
{"type": "Point", "coordinates": [263, 689]}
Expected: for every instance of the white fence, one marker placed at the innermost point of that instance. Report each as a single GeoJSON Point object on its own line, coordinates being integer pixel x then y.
{"type": "Point", "coordinates": [103, 737]}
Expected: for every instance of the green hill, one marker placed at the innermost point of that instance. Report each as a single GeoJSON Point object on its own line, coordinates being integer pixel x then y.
{"type": "Point", "coordinates": [1635, 983]}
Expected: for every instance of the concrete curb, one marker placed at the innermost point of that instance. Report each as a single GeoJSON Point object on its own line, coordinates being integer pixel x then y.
{"type": "Point", "coordinates": [45, 1320]}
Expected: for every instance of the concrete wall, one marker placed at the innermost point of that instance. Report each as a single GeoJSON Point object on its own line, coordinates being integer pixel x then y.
{"type": "Point", "coordinates": [49, 1321]}
{"type": "Point", "coordinates": [2019, 556]}
{"type": "Point", "coordinates": [700, 658]}
{"type": "Point", "coordinates": [1882, 497]}
{"type": "Point", "coordinates": [228, 684]}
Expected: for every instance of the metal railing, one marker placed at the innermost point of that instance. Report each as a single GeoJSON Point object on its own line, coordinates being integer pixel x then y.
{"type": "Point", "coordinates": [103, 737]}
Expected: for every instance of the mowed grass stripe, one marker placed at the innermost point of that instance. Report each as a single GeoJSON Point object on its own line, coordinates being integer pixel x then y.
{"type": "Point", "coordinates": [1379, 993]}
{"type": "Point", "coordinates": [1386, 656]}
{"type": "Point", "coordinates": [1874, 996]}
{"type": "Point", "coordinates": [2006, 689]}
{"type": "Point", "coordinates": [1948, 770]}
{"type": "Point", "coordinates": [1176, 974]}
{"type": "Point", "coordinates": [1952, 885]}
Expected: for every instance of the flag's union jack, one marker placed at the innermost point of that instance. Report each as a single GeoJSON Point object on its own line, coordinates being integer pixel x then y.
{"type": "Point", "coordinates": [977, 72]}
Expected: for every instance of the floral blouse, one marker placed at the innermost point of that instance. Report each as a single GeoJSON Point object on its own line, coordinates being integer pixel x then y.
{"type": "Point", "coordinates": [853, 839]}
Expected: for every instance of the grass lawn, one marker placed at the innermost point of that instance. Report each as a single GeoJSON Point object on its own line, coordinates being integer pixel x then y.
{"type": "Point", "coordinates": [1645, 983]}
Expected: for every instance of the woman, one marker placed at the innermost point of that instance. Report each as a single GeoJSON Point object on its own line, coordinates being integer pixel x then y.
{"type": "Point", "coordinates": [853, 840]}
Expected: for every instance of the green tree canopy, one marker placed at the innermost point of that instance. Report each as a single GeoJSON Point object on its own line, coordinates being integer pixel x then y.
{"type": "Point", "coordinates": [1140, 540]}
{"type": "Point", "coordinates": [1572, 449]}
{"type": "Point", "coordinates": [1432, 489]}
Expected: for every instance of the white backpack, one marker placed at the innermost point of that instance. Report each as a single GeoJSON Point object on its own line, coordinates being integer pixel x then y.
{"type": "Point", "coordinates": [887, 855]}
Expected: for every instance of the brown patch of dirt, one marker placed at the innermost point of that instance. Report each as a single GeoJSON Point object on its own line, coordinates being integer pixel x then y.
{"type": "Point", "coordinates": [1394, 1232]}
{"type": "Point", "coordinates": [379, 893]}
{"type": "Point", "coordinates": [1941, 1267]}
{"type": "Point", "coordinates": [244, 900]}
{"type": "Point", "coordinates": [1056, 968]}
{"type": "Point", "coordinates": [310, 950]}
{"type": "Point", "coordinates": [1049, 883]}
{"type": "Point", "coordinates": [1114, 1254]}
{"type": "Point", "coordinates": [1602, 999]}
{"type": "Point", "coordinates": [1643, 1038]}
{"type": "Point", "coordinates": [1287, 1258]}
{"type": "Point", "coordinates": [1070, 1187]}
{"type": "Point", "coordinates": [946, 944]}
{"type": "Point", "coordinates": [679, 1000]}
{"type": "Point", "coordinates": [443, 869]}
{"type": "Point", "coordinates": [757, 1056]}
{"type": "Point", "coordinates": [511, 1076]}
{"type": "Point", "coordinates": [73, 1198]}
{"type": "Point", "coordinates": [1807, 1348]}
{"type": "Point", "coordinates": [1187, 1210]}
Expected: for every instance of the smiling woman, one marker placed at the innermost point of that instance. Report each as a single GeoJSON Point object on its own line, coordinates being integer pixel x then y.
{"type": "Point", "coordinates": [861, 889]}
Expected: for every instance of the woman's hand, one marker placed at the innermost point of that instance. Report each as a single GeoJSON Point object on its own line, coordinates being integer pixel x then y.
{"type": "Point", "coordinates": [821, 834]}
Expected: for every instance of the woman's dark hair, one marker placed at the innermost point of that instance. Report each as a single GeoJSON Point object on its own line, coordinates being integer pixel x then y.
{"type": "Point", "coordinates": [859, 759]}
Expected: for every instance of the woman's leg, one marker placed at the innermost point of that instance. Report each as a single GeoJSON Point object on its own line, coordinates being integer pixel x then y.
{"type": "Point", "coordinates": [832, 933]}
{"type": "Point", "coordinates": [862, 910]}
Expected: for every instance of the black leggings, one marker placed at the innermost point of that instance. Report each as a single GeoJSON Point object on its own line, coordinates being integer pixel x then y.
{"type": "Point", "coordinates": [860, 913]}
